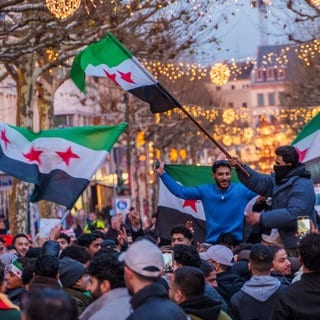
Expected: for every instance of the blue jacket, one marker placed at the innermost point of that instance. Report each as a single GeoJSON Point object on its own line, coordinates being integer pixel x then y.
{"type": "Point", "coordinates": [293, 197]}
{"type": "Point", "coordinates": [224, 210]}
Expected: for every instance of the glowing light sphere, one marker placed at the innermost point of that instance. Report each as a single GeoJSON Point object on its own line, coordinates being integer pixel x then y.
{"type": "Point", "coordinates": [316, 2]}
{"type": "Point", "coordinates": [220, 74]}
{"type": "Point", "coordinates": [228, 116]}
{"type": "Point", "coordinates": [63, 9]}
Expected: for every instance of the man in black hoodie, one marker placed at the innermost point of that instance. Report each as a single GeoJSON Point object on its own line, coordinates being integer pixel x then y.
{"type": "Point", "coordinates": [187, 290]}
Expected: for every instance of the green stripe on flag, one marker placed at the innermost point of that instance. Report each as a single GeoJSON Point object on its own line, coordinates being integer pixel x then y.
{"type": "Point", "coordinates": [310, 128]}
{"type": "Point", "coordinates": [92, 137]}
{"type": "Point", "coordinates": [107, 50]}
{"type": "Point", "coordinates": [192, 175]}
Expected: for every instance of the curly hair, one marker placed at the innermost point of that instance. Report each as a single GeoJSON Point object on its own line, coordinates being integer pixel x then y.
{"type": "Point", "coordinates": [309, 249]}
{"type": "Point", "coordinates": [107, 267]}
{"type": "Point", "coordinates": [187, 255]}
{"type": "Point", "coordinates": [183, 230]}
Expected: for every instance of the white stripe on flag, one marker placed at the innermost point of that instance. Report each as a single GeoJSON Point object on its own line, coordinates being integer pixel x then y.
{"type": "Point", "coordinates": [169, 200]}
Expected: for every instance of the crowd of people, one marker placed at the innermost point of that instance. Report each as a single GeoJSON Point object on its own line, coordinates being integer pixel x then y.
{"type": "Point", "coordinates": [125, 271]}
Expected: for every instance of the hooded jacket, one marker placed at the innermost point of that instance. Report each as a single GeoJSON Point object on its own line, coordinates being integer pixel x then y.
{"type": "Point", "coordinates": [292, 197]}
{"type": "Point", "coordinates": [256, 298]}
{"type": "Point", "coordinates": [202, 306]}
{"type": "Point", "coordinates": [152, 302]}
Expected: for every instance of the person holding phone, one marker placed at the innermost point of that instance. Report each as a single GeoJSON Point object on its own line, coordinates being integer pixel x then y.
{"type": "Point", "coordinates": [292, 192]}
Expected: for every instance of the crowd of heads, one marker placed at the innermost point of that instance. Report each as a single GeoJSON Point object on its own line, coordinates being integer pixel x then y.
{"type": "Point", "coordinates": [97, 265]}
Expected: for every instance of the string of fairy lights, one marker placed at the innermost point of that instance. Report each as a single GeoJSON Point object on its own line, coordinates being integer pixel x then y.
{"type": "Point", "coordinates": [221, 72]}
{"type": "Point", "coordinates": [230, 128]}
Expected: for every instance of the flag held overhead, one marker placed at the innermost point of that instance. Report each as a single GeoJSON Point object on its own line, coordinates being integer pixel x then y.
{"type": "Point", "coordinates": [108, 58]}
{"type": "Point", "coordinates": [60, 162]}
{"type": "Point", "coordinates": [307, 144]}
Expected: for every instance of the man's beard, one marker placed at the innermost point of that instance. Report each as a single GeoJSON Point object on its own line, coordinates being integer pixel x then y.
{"type": "Point", "coordinates": [222, 187]}
{"type": "Point", "coordinates": [96, 293]}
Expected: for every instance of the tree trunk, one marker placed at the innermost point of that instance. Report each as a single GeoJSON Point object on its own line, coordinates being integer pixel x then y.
{"type": "Point", "coordinates": [19, 204]}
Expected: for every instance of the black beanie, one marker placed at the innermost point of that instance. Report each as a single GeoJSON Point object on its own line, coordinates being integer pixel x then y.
{"type": "Point", "coordinates": [70, 271]}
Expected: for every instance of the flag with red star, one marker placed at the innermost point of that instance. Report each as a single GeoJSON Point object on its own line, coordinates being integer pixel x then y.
{"type": "Point", "coordinates": [59, 162]}
{"type": "Point", "coordinates": [108, 58]}
{"type": "Point", "coordinates": [173, 210]}
{"type": "Point", "coordinates": [307, 143]}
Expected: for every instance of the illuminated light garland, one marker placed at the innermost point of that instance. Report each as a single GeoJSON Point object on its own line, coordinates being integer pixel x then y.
{"type": "Point", "coordinates": [63, 9]}
{"type": "Point", "coordinates": [220, 74]}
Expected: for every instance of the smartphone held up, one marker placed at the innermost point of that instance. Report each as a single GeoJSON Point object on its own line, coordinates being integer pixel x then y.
{"type": "Point", "coordinates": [168, 261]}
{"type": "Point", "coordinates": [303, 226]}
{"type": "Point", "coordinates": [156, 164]}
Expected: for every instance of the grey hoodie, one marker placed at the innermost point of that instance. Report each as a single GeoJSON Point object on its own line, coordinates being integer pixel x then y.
{"type": "Point", "coordinates": [261, 288]}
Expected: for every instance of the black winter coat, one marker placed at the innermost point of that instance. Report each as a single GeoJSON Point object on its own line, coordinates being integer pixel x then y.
{"type": "Point", "coordinates": [300, 300]}
{"type": "Point", "coordinates": [152, 302]}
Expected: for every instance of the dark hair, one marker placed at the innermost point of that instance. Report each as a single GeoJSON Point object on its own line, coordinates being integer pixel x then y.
{"type": "Point", "coordinates": [183, 230]}
{"type": "Point", "coordinates": [2, 267]}
{"type": "Point", "coordinates": [309, 249]}
{"type": "Point", "coordinates": [107, 267]}
{"type": "Point", "coordinates": [289, 154]}
{"type": "Point", "coordinates": [275, 249]}
{"type": "Point", "coordinates": [29, 269]}
{"type": "Point", "coordinates": [76, 252]}
{"type": "Point", "coordinates": [243, 246]}
{"type": "Point", "coordinates": [49, 303]}
{"type": "Point", "coordinates": [85, 239]}
{"type": "Point", "coordinates": [190, 281]}
{"type": "Point", "coordinates": [48, 266]}
{"type": "Point", "coordinates": [261, 257]}
{"type": "Point", "coordinates": [65, 237]}
{"type": "Point", "coordinates": [19, 235]}
{"type": "Point", "coordinates": [186, 255]}
{"type": "Point", "coordinates": [220, 163]}
{"type": "Point", "coordinates": [227, 239]}
{"type": "Point", "coordinates": [99, 233]}
{"type": "Point", "coordinates": [206, 267]}
{"type": "Point", "coordinates": [34, 252]}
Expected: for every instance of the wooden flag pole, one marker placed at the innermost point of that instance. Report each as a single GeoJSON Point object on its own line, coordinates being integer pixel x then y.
{"type": "Point", "coordinates": [217, 144]}
{"type": "Point", "coordinates": [180, 106]}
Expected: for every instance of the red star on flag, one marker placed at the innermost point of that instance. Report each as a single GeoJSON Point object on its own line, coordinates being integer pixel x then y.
{"type": "Point", "coordinates": [67, 155]}
{"type": "Point", "coordinates": [126, 76]}
{"type": "Point", "coordinates": [302, 154]}
{"type": "Point", "coordinates": [4, 138]}
{"type": "Point", "coordinates": [33, 155]}
{"type": "Point", "coordinates": [111, 76]}
{"type": "Point", "coordinates": [191, 204]}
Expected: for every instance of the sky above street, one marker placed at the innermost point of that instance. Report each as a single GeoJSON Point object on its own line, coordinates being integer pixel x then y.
{"type": "Point", "coordinates": [244, 32]}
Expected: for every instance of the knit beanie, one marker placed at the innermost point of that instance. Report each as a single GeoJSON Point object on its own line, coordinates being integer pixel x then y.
{"type": "Point", "coordinates": [70, 271]}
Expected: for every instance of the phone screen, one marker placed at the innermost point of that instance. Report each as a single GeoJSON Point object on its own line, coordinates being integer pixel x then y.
{"type": "Point", "coordinates": [168, 262]}
{"type": "Point", "coordinates": [303, 226]}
